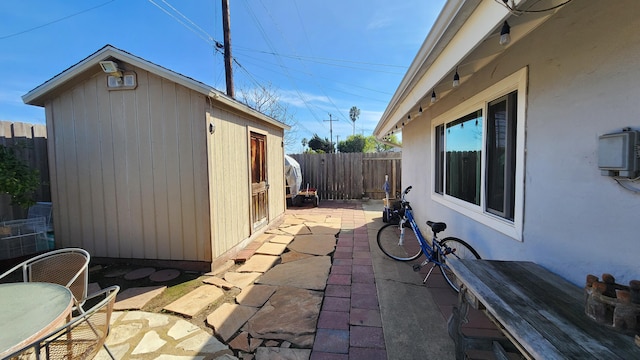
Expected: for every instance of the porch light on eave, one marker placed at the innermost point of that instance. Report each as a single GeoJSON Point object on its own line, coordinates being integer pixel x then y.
{"type": "Point", "coordinates": [505, 34]}
{"type": "Point", "coordinates": [456, 79]}
{"type": "Point", "coordinates": [433, 96]}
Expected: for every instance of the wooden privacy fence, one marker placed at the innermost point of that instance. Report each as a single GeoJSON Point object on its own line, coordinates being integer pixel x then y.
{"type": "Point", "coordinates": [351, 175]}
{"type": "Point", "coordinates": [30, 142]}
{"type": "Point", "coordinates": [463, 175]}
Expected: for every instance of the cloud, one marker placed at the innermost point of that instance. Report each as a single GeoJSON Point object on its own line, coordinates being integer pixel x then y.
{"type": "Point", "coordinates": [302, 99]}
{"type": "Point", "coordinates": [379, 22]}
{"type": "Point", "coordinates": [13, 97]}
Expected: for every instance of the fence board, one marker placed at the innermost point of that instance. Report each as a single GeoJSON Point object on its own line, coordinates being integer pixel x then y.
{"type": "Point", "coordinates": [350, 175]}
{"type": "Point", "coordinates": [32, 142]}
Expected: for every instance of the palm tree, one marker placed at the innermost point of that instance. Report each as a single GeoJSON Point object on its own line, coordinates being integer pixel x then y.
{"type": "Point", "coordinates": [304, 143]}
{"type": "Point", "coordinates": [354, 114]}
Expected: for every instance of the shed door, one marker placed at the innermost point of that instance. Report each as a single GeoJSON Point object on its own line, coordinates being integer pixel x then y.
{"type": "Point", "coordinates": [259, 182]}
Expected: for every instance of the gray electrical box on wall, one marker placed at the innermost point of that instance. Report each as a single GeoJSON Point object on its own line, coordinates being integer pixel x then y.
{"type": "Point", "coordinates": [619, 153]}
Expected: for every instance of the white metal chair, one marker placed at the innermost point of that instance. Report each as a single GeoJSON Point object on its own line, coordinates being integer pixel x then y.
{"type": "Point", "coordinates": [67, 267]}
{"type": "Point", "coordinates": [81, 338]}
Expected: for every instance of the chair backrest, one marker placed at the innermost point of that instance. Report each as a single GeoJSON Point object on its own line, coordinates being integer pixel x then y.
{"type": "Point", "coordinates": [81, 338]}
{"type": "Point", "coordinates": [67, 267]}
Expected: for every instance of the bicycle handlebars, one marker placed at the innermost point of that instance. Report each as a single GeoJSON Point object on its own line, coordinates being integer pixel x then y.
{"type": "Point", "coordinates": [404, 193]}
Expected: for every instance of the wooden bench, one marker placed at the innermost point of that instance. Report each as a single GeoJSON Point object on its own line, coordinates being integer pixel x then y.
{"type": "Point", "coordinates": [538, 311]}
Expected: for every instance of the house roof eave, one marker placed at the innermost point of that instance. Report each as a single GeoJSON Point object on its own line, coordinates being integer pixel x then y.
{"type": "Point", "coordinates": [456, 19]}
{"type": "Point", "coordinates": [465, 34]}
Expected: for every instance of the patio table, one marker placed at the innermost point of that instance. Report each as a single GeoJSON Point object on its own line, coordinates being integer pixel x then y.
{"type": "Point", "coordinates": [29, 310]}
{"type": "Point", "coordinates": [541, 313]}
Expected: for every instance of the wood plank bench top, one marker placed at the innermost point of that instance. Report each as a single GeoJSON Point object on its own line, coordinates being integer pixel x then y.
{"type": "Point", "coordinates": [542, 313]}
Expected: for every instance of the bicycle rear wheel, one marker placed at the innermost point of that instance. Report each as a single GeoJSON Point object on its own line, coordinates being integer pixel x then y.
{"type": "Point", "coordinates": [454, 248]}
{"type": "Point", "coordinates": [389, 242]}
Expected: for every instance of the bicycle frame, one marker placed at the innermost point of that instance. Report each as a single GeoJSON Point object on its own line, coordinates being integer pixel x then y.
{"type": "Point", "coordinates": [428, 250]}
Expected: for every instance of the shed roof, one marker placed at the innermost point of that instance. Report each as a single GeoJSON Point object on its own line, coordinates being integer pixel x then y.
{"type": "Point", "coordinates": [40, 94]}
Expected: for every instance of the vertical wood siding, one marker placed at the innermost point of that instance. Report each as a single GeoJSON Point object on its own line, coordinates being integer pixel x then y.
{"type": "Point", "coordinates": [129, 174]}
{"type": "Point", "coordinates": [230, 182]}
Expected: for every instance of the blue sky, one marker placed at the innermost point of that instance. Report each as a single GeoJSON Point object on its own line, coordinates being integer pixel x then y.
{"type": "Point", "coordinates": [320, 57]}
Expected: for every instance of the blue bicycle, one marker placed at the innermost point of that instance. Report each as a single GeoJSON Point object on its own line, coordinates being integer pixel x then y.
{"type": "Point", "coordinates": [402, 245]}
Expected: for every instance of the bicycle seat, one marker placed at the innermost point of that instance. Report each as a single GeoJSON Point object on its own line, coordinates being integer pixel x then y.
{"type": "Point", "coordinates": [437, 226]}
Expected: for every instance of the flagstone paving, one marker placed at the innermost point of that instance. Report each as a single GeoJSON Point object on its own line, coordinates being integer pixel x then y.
{"type": "Point", "coordinates": [310, 273]}
{"type": "Point", "coordinates": [195, 301]}
{"type": "Point", "coordinates": [314, 244]}
{"type": "Point", "coordinates": [290, 314]}
{"type": "Point", "coordinates": [305, 290]}
{"type": "Point", "coordinates": [241, 280]}
{"type": "Point", "coordinates": [136, 298]}
{"type": "Point", "coordinates": [281, 239]}
{"type": "Point", "coordinates": [271, 248]}
{"type": "Point", "coordinates": [255, 295]}
{"type": "Point", "coordinates": [219, 282]}
{"type": "Point", "coordinates": [228, 318]}
{"type": "Point", "coordinates": [258, 263]}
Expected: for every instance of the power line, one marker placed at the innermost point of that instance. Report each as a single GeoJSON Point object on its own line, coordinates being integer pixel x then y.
{"type": "Point", "coordinates": [209, 39]}
{"type": "Point", "coordinates": [306, 72]}
{"type": "Point", "coordinates": [199, 31]}
{"type": "Point", "coordinates": [268, 41]}
{"type": "Point", "coordinates": [54, 21]}
{"type": "Point", "coordinates": [192, 23]}
{"type": "Point", "coordinates": [286, 39]}
{"type": "Point", "coordinates": [326, 60]}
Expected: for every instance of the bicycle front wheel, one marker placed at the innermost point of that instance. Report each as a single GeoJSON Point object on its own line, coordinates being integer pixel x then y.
{"type": "Point", "coordinates": [389, 243]}
{"type": "Point", "coordinates": [454, 248]}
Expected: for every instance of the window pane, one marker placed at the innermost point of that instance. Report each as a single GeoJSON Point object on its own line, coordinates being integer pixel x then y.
{"type": "Point", "coordinates": [464, 154]}
{"type": "Point", "coordinates": [439, 165]}
{"type": "Point", "coordinates": [501, 136]}
{"type": "Point", "coordinates": [496, 146]}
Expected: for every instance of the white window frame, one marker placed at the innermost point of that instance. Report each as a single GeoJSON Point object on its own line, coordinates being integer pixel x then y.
{"type": "Point", "coordinates": [514, 82]}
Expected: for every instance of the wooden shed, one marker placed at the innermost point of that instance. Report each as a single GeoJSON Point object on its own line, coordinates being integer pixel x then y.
{"type": "Point", "coordinates": [146, 163]}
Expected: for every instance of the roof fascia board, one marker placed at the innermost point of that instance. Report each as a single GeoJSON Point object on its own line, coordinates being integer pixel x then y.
{"type": "Point", "coordinates": [223, 99]}
{"type": "Point", "coordinates": [432, 62]}
{"type": "Point", "coordinates": [32, 96]}
{"type": "Point", "coordinates": [449, 12]}
{"type": "Point", "coordinates": [442, 24]}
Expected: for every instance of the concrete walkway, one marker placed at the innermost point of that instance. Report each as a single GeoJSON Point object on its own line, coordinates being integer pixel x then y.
{"type": "Point", "coordinates": [304, 294]}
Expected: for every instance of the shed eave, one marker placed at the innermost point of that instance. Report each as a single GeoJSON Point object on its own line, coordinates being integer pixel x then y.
{"type": "Point", "coordinates": [39, 95]}
{"type": "Point", "coordinates": [224, 99]}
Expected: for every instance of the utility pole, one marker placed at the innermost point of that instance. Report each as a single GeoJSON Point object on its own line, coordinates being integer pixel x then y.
{"type": "Point", "coordinates": [228, 60]}
{"type": "Point", "coordinates": [331, 120]}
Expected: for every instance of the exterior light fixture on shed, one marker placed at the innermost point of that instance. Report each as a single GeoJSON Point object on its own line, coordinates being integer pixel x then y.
{"type": "Point", "coordinates": [420, 110]}
{"type": "Point", "coordinates": [111, 68]}
{"type": "Point", "coordinates": [117, 80]}
{"type": "Point", "coordinates": [433, 96]}
{"type": "Point", "coordinates": [505, 34]}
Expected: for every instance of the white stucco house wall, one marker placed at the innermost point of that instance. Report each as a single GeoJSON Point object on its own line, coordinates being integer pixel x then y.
{"type": "Point", "coordinates": [509, 159]}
